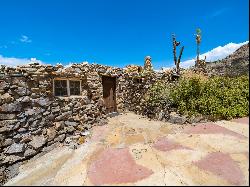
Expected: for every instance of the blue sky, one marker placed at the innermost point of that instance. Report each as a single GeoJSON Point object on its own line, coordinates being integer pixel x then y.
{"type": "Point", "coordinates": [117, 32]}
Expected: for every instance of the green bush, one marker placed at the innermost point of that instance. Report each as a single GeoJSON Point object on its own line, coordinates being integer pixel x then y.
{"type": "Point", "coordinates": [158, 95]}
{"type": "Point", "coordinates": [217, 97]}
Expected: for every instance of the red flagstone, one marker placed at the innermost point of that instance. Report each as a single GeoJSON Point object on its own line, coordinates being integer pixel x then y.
{"type": "Point", "coordinates": [211, 128]}
{"type": "Point", "coordinates": [114, 166]}
{"type": "Point", "coordinates": [222, 165]}
{"type": "Point", "coordinates": [241, 120]}
{"type": "Point", "coordinates": [246, 154]}
{"type": "Point", "coordinates": [164, 144]}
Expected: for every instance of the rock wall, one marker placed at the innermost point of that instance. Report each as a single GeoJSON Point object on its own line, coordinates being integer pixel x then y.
{"type": "Point", "coordinates": [136, 88]}
{"type": "Point", "coordinates": [33, 119]}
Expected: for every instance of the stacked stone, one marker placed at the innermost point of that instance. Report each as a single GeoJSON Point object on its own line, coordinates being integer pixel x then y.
{"type": "Point", "coordinates": [148, 64]}
{"type": "Point", "coordinates": [32, 119]}
{"type": "Point", "coordinates": [133, 69]}
{"type": "Point", "coordinates": [136, 87]}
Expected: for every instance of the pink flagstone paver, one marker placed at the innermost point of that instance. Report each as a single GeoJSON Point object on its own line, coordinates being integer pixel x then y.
{"type": "Point", "coordinates": [242, 120]}
{"type": "Point", "coordinates": [222, 165]}
{"type": "Point", "coordinates": [211, 128]}
{"type": "Point", "coordinates": [116, 155]}
{"type": "Point", "coordinates": [246, 154]}
{"type": "Point", "coordinates": [114, 166]}
{"type": "Point", "coordinates": [164, 144]}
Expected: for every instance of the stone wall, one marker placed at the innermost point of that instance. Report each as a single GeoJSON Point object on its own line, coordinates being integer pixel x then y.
{"type": "Point", "coordinates": [33, 119]}
{"type": "Point", "coordinates": [136, 88]}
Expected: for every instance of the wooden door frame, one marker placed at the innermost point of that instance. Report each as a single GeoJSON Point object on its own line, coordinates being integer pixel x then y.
{"type": "Point", "coordinates": [114, 79]}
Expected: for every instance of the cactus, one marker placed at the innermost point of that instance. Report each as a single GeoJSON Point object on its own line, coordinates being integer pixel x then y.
{"type": "Point", "coordinates": [177, 61]}
{"type": "Point", "coordinates": [198, 42]}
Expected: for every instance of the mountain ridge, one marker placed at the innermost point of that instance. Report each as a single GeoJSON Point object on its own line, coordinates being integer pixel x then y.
{"type": "Point", "coordinates": [235, 64]}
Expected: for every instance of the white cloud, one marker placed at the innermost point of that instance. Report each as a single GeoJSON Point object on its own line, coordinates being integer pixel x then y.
{"type": "Point", "coordinates": [187, 63]}
{"type": "Point", "coordinates": [11, 61]}
{"type": "Point", "coordinates": [68, 65]}
{"type": "Point", "coordinates": [71, 63]}
{"type": "Point", "coordinates": [25, 39]}
{"type": "Point", "coordinates": [217, 53]}
{"type": "Point", "coordinates": [218, 12]}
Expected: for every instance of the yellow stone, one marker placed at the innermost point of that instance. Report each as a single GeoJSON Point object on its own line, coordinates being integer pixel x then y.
{"type": "Point", "coordinates": [114, 137]}
{"type": "Point", "coordinates": [81, 140]}
{"type": "Point", "coordinates": [134, 139]}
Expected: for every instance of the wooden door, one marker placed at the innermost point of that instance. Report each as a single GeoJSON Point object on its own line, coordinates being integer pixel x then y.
{"type": "Point", "coordinates": [109, 96]}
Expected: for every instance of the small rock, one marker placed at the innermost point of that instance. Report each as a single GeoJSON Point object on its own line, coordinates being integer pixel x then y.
{"type": "Point", "coordinates": [3, 129]}
{"type": "Point", "coordinates": [15, 148]}
{"type": "Point", "coordinates": [29, 152]}
{"type": "Point", "coordinates": [176, 119]}
{"type": "Point", "coordinates": [51, 133]}
{"type": "Point", "coordinates": [6, 98]}
{"type": "Point", "coordinates": [50, 117]}
{"type": "Point", "coordinates": [22, 91]}
{"type": "Point", "coordinates": [195, 119]}
{"type": "Point", "coordinates": [24, 99]}
{"type": "Point", "coordinates": [73, 145]}
{"type": "Point", "coordinates": [46, 113]}
{"type": "Point", "coordinates": [68, 140]}
{"type": "Point", "coordinates": [69, 123]}
{"type": "Point", "coordinates": [37, 141]}
{"type": "Point", "coordinates": [26, 138]}
{"type": "Point", "coordinates": [42, 101]}
{"type": "Point", "coordinates": [63, 116]}
{"type": "Point", "coordinates": [86, 133]}
{"type": "Point", "coordinates": [12, 158]}
{"type": "Point", "coordinates": [81, 140]}
{"type": "Point", "coordinates": [13, 170]}
{"type": "Point", "coordinates": [60, 138]}
{"type": "Point", "coordinates": [4, 85]}
{"type": "Point", "coordinates": [11, 107]}
{"type": "Point", "coordinates": [22, 130]}
{"type": "Point", "coordinates": [51, 147]}
{"type": "Point", "coordinates": [7, 116]}
{"type": "Point", "coordinates": [59, 125]}
{"type": "Point", "coordinates": [7, 142]}
{"type": "Point", "coordinates": [70, 129]}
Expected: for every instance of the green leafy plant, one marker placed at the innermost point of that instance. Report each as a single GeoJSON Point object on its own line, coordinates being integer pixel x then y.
{"type": "Point", "coordinates": [217, 97]}
{"type": "Point", "coordinates": [158, 94]}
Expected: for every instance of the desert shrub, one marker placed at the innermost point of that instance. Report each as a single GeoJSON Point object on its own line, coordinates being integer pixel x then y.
{"type": "Point", "coordinates": [217, 97]}
{"type": "Point", "coordinates": [158, 94]}
{"type": "Point", "coordinates": [156, 101]}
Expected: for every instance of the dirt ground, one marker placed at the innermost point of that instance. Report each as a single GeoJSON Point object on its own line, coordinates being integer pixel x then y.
{"type": "Point", "coordinates": [133, 150]}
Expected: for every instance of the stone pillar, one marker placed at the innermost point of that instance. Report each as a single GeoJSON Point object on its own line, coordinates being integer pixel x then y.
{"type": "Point", "coordinates": [147, 64]}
